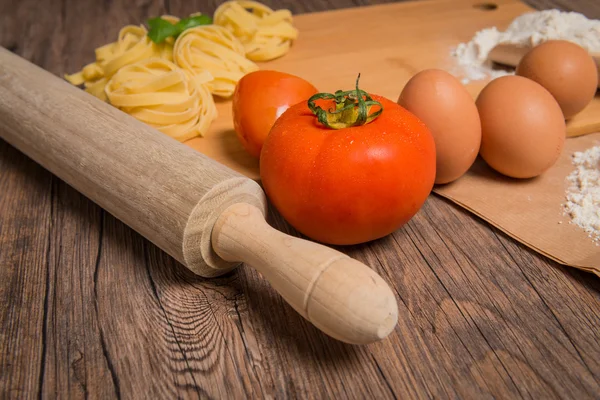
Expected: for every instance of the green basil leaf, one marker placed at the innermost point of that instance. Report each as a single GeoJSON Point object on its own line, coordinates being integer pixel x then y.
{"type": "Point", "coordinates": [194, 21]}
{"type": "Point", "coordinates": [161, 29]}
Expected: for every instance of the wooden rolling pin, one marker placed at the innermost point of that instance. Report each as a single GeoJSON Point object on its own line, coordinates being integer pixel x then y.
{"type": "Point", "coordinates": [511, 54]}
{"type": "Point", "coordinates": [205, 215]}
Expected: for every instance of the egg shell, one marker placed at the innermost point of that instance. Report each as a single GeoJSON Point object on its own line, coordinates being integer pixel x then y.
{"type": "Point", "coordinates": [566, 70]}
{"type": "Point", "coordinates": [439, 100]}
{"type": "Point", "coordinates": [523, 129]}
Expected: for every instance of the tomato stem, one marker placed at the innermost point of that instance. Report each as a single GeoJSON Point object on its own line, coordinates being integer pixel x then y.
{"type": "Point", "coordinates": [352, 108]}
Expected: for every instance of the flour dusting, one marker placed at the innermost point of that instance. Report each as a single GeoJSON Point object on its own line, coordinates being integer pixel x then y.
{"type": "Point", "coordinates": [583, 195]}
{"type": "Point", "coordinates": [529, 29]}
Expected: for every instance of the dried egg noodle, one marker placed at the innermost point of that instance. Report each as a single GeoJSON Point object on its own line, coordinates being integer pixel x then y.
{"type": "Point", "coordinates": [170, 86]}
{"type": "Point", "coordinates": [132, 45]}
{"type": "Point", "coordinates": [214, 49]}
{"type": "Point", "coordinates": [158, 93]}
{"type": "Point", "coordinates": [265, 34]}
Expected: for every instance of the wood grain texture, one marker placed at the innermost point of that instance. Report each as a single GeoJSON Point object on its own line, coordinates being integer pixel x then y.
{"type": "Point", "coordinates": [90, 309]}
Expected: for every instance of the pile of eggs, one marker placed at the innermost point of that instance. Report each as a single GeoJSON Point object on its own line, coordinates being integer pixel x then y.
{"type": "Point", "coordinates": [516, 123]}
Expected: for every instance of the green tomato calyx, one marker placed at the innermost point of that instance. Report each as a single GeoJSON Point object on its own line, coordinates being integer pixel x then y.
{"type": "Point", "coordinates": [352, 108]}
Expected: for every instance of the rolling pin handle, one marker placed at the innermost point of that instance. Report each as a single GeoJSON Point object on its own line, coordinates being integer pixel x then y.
{"type": "Point", "coordinates": [339, 295]}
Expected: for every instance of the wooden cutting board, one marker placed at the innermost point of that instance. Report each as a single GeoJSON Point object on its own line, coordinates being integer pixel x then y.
{"type": "Point", "coordinates": [386, 44]}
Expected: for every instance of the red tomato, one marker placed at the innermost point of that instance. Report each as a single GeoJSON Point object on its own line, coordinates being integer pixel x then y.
{"type": "Point", "coordinates": [259, 99]}
{"type": "Point", "coordinates": [350, 185]}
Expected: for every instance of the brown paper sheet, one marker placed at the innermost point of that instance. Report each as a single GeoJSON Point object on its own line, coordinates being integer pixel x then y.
{"type": "Point", "coordinates": [531, 211]}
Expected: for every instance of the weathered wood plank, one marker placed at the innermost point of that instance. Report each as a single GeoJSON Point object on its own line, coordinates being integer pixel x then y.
{"type": "Point", "coordinates": [75, 363]}
{"type": "Point", "coordinates": [495, 291]}
{"type": "Point", "coordinates": [89, 308]}
{"type": "Point", "coordinates": [26, 218]}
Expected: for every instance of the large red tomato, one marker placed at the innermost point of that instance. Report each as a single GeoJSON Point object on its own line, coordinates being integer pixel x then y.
{"type": "Point", "coordinates": [349, 185]}
{"type": "Point", "coordinates": [259, 98]}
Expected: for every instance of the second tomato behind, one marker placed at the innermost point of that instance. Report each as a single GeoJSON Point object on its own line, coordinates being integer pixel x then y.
{"type": "Point", "coordinates": [259, 99]}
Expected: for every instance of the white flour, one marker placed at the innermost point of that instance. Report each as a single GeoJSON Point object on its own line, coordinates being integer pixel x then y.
{"type": "Point", "coordinates": [583, 195]}
{"type": "Point", "coordinates": [529, 29]}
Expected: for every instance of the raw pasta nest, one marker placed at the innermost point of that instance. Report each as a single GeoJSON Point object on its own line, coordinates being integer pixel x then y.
{"type": "Point", "coordinates": [132, 45]}
{"type": "Point", "coordinates": [265, 34]}
{"type": "Point", "coordinates": [158, 93]}
{"type": "Point", "coordinates": [214, 49]}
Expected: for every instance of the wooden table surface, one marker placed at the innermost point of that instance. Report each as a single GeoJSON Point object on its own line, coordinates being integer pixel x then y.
{"type": "Point", "coordinates": [90, 308]}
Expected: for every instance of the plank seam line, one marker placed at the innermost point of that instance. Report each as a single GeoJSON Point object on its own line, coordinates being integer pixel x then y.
{"type": "Point", "coordinates": [109, 364]}
{"type": "Point", "coordinates": [47, 293]}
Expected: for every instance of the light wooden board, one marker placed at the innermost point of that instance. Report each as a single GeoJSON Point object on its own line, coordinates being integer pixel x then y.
{"type": "Point", "coordinates": [386, 44]}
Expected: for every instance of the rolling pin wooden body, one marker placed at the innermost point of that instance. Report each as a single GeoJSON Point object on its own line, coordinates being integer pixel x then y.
{"type": "Point", "coordinates": [205, 215]}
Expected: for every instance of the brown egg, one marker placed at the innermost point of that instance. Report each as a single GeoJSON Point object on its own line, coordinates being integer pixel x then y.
{"type": "Point", "coordinates": [566, 70]}
{"type": "Point", "coordinates": [439, 100]}
{"type": "Point", "coordinates": [523, 129]}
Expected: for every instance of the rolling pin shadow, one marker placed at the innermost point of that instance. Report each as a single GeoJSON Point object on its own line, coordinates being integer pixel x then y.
{"type": "Point", "coordinates": [207, 216]}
